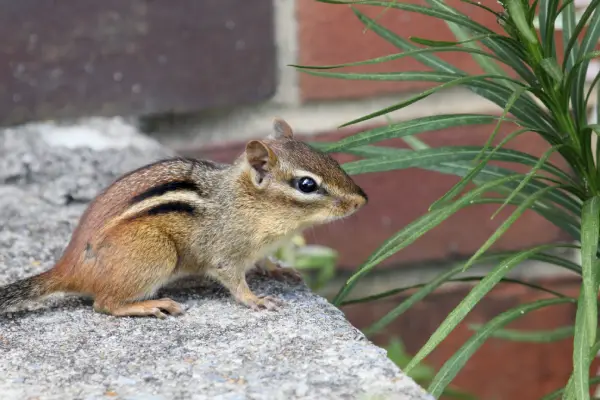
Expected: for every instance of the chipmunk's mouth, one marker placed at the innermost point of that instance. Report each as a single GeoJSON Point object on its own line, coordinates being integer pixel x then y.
{"type": "Point", "coordinates": [343, 213]}
{"type": "Point", "coordinates": [351, 205]}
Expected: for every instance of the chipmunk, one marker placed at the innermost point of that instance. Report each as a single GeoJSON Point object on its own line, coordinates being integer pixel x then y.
{"type": "Point", "coordinates": [180, 217]}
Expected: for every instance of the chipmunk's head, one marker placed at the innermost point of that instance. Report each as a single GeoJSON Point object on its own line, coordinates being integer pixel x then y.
{"type": "Point", "coordinates": [301, 184]}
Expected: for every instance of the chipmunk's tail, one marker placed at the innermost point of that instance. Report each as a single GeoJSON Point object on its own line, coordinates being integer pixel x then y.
{"type": "Point", "coordinates": [30, 288]}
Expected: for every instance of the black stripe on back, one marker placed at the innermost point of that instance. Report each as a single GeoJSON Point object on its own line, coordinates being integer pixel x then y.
{"type": "Point", "coordinates": [170, 207]}
{"type": "Point", "coordinates": [165, 188]}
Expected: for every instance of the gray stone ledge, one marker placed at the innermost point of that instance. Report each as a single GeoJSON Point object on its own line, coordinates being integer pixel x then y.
{"type": "Point", "coordinates": [61, 349]}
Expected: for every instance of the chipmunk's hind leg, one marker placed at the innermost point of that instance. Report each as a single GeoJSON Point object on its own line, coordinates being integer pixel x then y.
{"type": "Point", "coordinates": [145, 309]}
{"type": "Point", "coordinates": [138, 261]}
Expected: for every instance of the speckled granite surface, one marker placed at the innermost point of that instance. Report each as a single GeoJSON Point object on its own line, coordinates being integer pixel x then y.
{"type": "Point", "coordinates": [61, 349]}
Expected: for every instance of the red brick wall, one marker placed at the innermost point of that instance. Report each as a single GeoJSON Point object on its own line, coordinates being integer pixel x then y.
{"type": "Point", "coordinates": [332, 34]}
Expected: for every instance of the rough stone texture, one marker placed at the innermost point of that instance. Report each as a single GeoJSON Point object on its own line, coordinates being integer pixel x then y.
{"type": "Point", "coordinates": [61, 349]}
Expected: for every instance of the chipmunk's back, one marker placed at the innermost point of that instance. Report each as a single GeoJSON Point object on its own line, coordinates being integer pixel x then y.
{"type": "Point", "coordinates": [156, 179]}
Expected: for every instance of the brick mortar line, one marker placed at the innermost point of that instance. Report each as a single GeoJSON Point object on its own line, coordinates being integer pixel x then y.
{"type": "Point", "coordinates": [287, 43]}
{"type": "Point", "coordinates": [243, 123]}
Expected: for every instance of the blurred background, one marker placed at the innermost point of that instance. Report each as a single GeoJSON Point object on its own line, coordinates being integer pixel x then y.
{"type": "Point", "coordinates": [202, 77]}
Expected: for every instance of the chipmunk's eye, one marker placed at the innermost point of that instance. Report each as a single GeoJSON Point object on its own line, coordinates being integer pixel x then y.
{"type": "Point", "coordinates": [306, 184]}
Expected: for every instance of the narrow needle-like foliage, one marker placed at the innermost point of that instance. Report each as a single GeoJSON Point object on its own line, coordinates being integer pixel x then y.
{"type": "Point", "coordinates": [539, 91]}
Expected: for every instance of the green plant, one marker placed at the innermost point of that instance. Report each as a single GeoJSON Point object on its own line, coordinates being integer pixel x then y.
{"type": "Point", "coordinates": [542, 95]}
{"type": "Point", "coordinates": [315, 263]}
{"type": "Point", "coordinates": [421, 374]}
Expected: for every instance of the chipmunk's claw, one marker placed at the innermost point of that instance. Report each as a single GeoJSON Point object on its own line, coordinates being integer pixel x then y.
{"type": "Point", "coordinates": [270, 303]}
{"type": "Point", "coordinates": [171, 306]}
{"type": "Point", "coordinates": [262, 302]}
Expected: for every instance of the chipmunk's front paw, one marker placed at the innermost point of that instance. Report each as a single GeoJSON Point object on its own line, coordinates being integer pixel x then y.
{"type": "Point", "coordinates": [286, 273]}
{"type": "Point", "coordinates": [275, 270]}
{"type": "Point", "coordinates": [261, 302]}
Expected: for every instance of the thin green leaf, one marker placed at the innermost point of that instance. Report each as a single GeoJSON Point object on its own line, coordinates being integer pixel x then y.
{"type": "Point", "coordinates": [527, 111]}
{"type": "Point", "coordinates": [482, 6]}
{"type": "Point", "coordinates": [590, 228]}
{"type": "Point", "coordinates": [394, 292]}
{"type": "Point", "coordinates": [577, 68]}
{"type": "Point", "coordinates": [463, 35]}
{"type": "Point", "coordinates": [597, 117]}
{"type": "Point", "coordinates": [561, 9]}
{"type": "Point", "coordinates": [557, 393]}
{"type": "Point", "coordinates": [578, 387]}
{"type": "Point", "coordinates": [432, 12]}
{"type": "Point", "coordinates": [593, 380]}
{"type": "Point", "coordinates": [569, 393]}
{"type": "Point", "coordinates": [413, 299]}
{"type": "Point", "coordinates": [411, 127]}
{"type": "Point", "coordinates": [546, 210]}
{"type": "Point", "coordinates": [588, 44]}
{"type": "Point", "coordinates": [444, 43]}
{"type": "Point", "coordinates": [568, 20]}
{"type": "Point", "coordinates": [559, 261]}
{"type": "Point", "coordinates": [548, 336]}
{"type": "Point", "coordinates": [509, 104]}
{"type": "Point", "coordinates": [427, 59]}
{"type": "Point", "coordinates": [396, 56]}
{"type": "Point", "coordinates": [516, 10]}
{"type": "Point", "coordinates": [451, 367]}
{"type": "Point", "coordinates": [586, 320]}
{"type": "Point", "coordinates": [507, 224]}
{"type": "Point", "coordinates": [488, 173]}
{"type": "Point", "coordinates": [512, 53]}
{"type": "Point", "coordinates": [591, 89]}
{"type": "Point", "coordinates": [561, 220]}
{"type": "Point", "coordinates": [450, 81]}
{"type": "Point", "coordinates": [552, 69]}
{"type": "Point", "coordinates": [580, 25]}
{"type": "Point", "coordinates": [544, 12]}
{"type": "Point", "coordinates": [460, 185]}
{"type": "Point", "coordinates": [438, 155]}
{"type": "Point", "coordinates": [528, 177]}
{"type": "Point", "coordinates": [505, 48]}
{"type": "Point", "coordinates": [415, 143]}
{"type": "Point", "coordinates": [531, 13]}
{"type": "Point", "coordinates": [413, 231]}
{"type": "Point", "coordinates": [456, 189]}
{"type": "Point", "coordinates": [467, 304]}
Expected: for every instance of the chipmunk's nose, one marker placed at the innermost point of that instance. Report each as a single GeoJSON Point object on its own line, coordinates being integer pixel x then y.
{"type": "Point", "coordinates": [358, 202]}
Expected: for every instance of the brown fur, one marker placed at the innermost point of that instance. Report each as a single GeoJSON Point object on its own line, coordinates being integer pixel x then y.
{"type": "Point", "coordinates": [181, 217]}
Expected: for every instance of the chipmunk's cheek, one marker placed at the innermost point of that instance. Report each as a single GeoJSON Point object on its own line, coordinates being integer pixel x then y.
{"type": "Point", "coordinates": [339, 208]}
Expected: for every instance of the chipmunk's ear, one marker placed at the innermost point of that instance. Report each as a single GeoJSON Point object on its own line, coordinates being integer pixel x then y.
{"type": "Point", "coordinates": [260, 157]}
{"type": "Point", "coordinates": [281, 129]}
